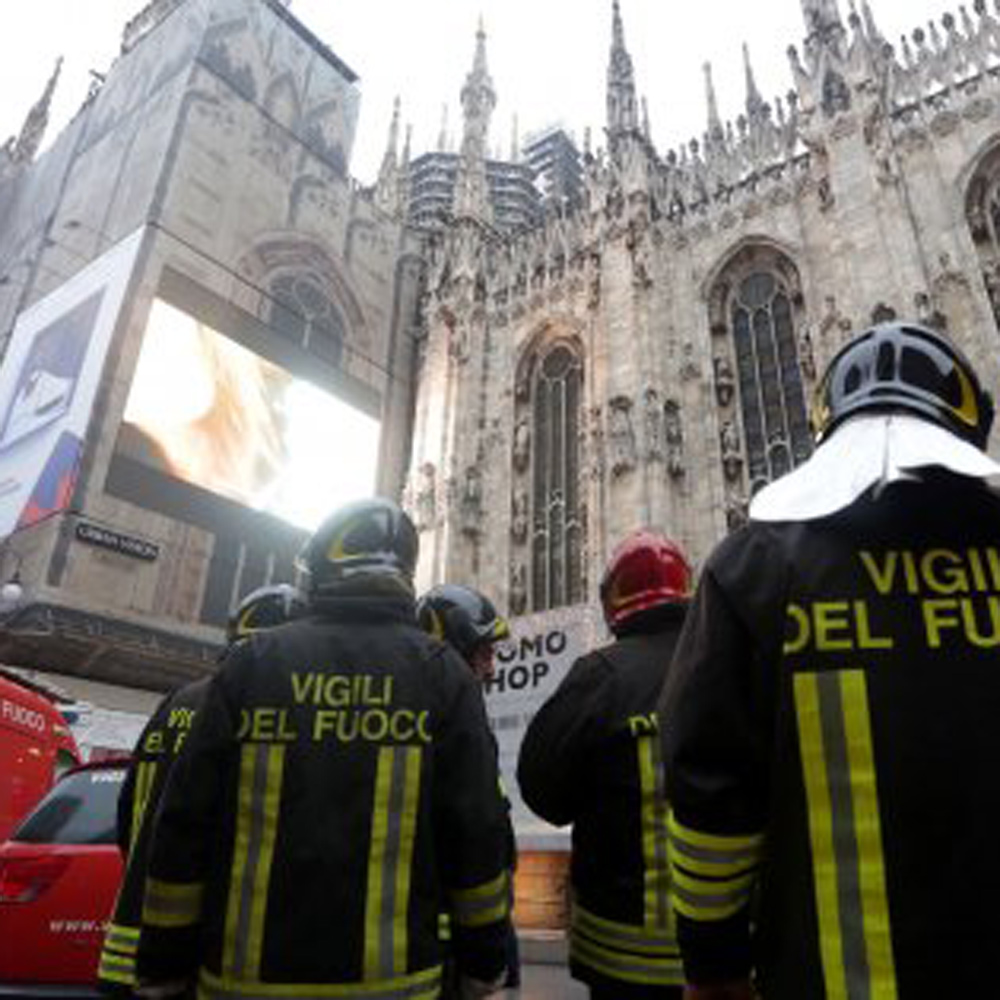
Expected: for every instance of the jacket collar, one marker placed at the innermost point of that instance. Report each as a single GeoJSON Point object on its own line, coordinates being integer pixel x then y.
{"type": "Point", "coordinates": [870, 450]}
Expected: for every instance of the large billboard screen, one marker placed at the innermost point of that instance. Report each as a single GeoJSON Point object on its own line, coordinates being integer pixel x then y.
{"type": "Point", "coordinates": [48, 382]}
{"type": "Point", "coordinates": [208, 411]}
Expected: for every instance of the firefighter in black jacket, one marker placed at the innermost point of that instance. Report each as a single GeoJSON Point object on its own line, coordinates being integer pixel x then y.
{"type": "Point", "coordinates": [338, 784]}
{"type": "Point", "coordinates": [155, 752]}
{"type": "Point", "coordinates": [468, 621]}
{"type": "Point", "coordinates": [831, 739]}
{"type": "Point", "coordinates": [591, 757]}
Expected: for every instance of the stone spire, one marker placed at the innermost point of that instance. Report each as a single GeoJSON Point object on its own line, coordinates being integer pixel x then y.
{"type": "Point", "coordinates": [623, 114]}
{"type": "Point", "coordinates": [33, 131]}
{"type": "Point", "coordinates": [404, 164]}
{"type": "Point", "coordinates": [755, 103]}
{"type": "Point", "coordinates": [821, 16]}
{"type": "Point", "coordinates": [714, 121]}
{"type": "Point", "coordinates": [478, 101]}
{"type": "Point", "coordinates": [387, 187]}
{"type": "Point", "coordinates": [515, 142]}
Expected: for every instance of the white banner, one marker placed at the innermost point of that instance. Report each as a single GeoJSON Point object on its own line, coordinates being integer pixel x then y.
{"type": "Point", "coordinates": [48, 381]}
{"type": "Point", "coordinates": [528, 668]}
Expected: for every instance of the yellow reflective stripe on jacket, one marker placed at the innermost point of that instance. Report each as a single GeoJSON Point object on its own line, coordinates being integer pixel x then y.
{"type": "Point", "coordinates": [711, 853]}
{"type": "Point", "coordinates": [120, 937]}
{"type": "Point", "coordinates": [640, 969]}
{"type": "Point", "coordinates": [117, 964]}
{"type": "Point", "coordinates": [613, 934]}
{"type": "Point", "coordinates": [656, 872]}
{"type": "Point", "coordinates": [710, 899]}
{"type": "Point", "coordinates": [390, 859]}
{"type": "Point", "coordinates": [838, 767]}
{"type": "Point", "coordinates": [482, 904]}
{"type": "Point", "coordinates": [422, 985]}
{"type": "Point", "coordinates": [117, 968]}
{"type": "Point", "coordinates": [145, 773]}
{"type": "Point", "coordinates": [712, 875]}
{"type": "Point", "coordinates": [258, 808]}
{"type": "Point", "coordinates": [171, 904]}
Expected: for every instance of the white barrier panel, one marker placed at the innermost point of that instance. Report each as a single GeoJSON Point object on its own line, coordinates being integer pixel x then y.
{"type": "Point", "coordinates": [528, 668]}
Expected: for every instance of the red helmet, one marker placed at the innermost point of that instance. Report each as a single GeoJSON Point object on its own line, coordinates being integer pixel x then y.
{"type": "Point", "coordinates": [645, 571]}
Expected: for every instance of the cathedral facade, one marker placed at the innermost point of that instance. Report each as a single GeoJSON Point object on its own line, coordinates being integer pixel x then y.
{"type": "Point", "coordinates": [648, 359]}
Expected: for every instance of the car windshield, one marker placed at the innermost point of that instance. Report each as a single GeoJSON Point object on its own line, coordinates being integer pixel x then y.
{"type": "Point", "coordinates": [81, 809]}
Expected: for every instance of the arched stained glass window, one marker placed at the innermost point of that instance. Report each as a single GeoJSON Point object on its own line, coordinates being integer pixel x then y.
{"type": "Point", "coordinates": [557, 536]}
{"type": "Point", "coordinates": [982, 214]}
{"type": "Point", "coordinates": [772, 399]}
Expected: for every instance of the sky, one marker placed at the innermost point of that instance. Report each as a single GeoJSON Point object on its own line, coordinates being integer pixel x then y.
{"type": "Point", "coordinates": [547, 58]}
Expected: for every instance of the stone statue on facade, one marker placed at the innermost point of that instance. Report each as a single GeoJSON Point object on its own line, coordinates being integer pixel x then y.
{"type": "Point", "coordinates": [519, 516]}
{"type": "Point", "coordinates": [518, 589]}
{"type": "Point", "coordinates": [596, 431]}
{"type": "Point", "coordinates": [807, 355]}
{"type": "Point", "coordinates": [426, 499]}
{"type": "Point", "coordinates": [522, 444]}
{"type": "Point", "coordinates": [674, 433]}
{"type": "Point", "coordinates": [653, 420]}
{"type": "Point", "coordinates": [472, 501]}
{"type": "Point", "coordinates": [732, 456]}
{"type": "Point", "coordinates": [725, 383]}
{"type": "Point", "coordinates": [622, 436]}
{"type": "Point", "coordinates": [736, 512]}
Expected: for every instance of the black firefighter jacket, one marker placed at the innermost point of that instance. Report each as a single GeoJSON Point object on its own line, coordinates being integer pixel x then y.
{"type": "Point", "coordinates": [155, 752]}
{"type": "Point", "coordinates": [337, 792]}
{"type": "Point", "coordinates": [591, 757]}
{"type": "Point", "coordinates": [832, 749]}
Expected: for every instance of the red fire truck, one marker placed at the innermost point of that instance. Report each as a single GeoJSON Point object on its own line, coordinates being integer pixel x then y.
{"type": "Point", "coordinates": [36, 746]}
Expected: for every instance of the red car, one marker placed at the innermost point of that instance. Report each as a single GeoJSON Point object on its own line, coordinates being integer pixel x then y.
{"type": "Point", "coordinates": [59, 875]}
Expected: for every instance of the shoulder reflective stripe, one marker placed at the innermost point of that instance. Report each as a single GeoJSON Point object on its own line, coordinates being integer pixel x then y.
{"type": "Point", "coordinates": [639, 969]}
{"type": "Point", "coordinates": [423, 985]}
{"type": "Point", "coordinates": [482, 904]}
{"type": "Point", "coordinates": [395, 808]}
{"type": "Point", "coordinates": [258, 811]}
{"type": "Point", "coordinates": [845, 834]}
{"type": "Point", "coordinates": [624, 937]}
{"type": "Point", "coordinates": [656, 874]}
{"type": "Point", "coordinates": [145, 773]}
{"type": "Point", "coordinates": [171, 904]}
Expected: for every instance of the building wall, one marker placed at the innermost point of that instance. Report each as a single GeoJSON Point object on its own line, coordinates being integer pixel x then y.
{"type": "Point", "coordinates": [224, 133]}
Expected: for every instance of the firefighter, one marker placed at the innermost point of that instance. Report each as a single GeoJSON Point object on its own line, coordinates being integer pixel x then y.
{"type": "Point", "coordinates": [338, 784]}
{"type": "Point", "coordinates": [834, 711]}
{"type": "Point", "coordinates": [591, 757]}
{"type": "Point", "coordinates": [154, 755]}
{"type": "Point", "coordinates": [468, 621]}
